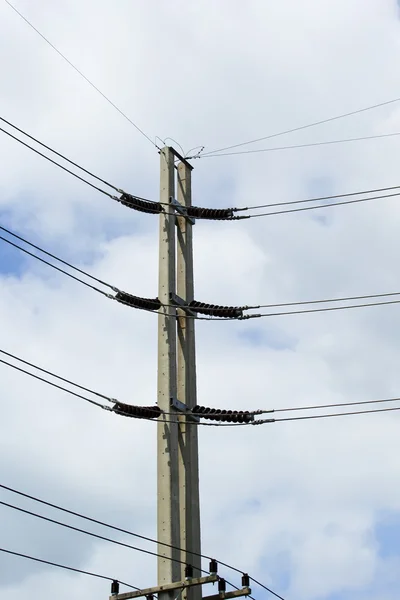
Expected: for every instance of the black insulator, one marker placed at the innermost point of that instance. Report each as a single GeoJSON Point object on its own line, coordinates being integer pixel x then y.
{"type": "Point", "coordinates": [222, 586]}
{"type": "Point", "coordinates": [214, 214]}
{"type": "Point", "coordinates": [227, 312]}
{"type": "Point", "coordinates": [137, 302]}
{"type": "Point", "coordinates": [150, 596]}
{"type": "Point", "coordinates": [139, 204]}
{"type": "Point", "coordinates": [245, 580]}
{"type": "Point", "coordinates": [137, 412]}
{"type": "Point", "coordinates": [189, 572]}
{"type": "Point", "coordinates": [213, 568]}
{"type": "Point", "coordinates": [229, 416]}
{"type": "Point", "coordinates": [114, 588]}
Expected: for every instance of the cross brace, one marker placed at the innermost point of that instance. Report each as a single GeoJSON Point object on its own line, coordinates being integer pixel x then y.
{"type": "Point", "coordinates": [169, 587]}
{"type": "Point", "coordinates": [246, 591]}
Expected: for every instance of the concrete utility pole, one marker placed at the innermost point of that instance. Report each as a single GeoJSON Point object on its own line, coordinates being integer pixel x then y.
{"type": "Point", "coordinates": [187, 393]}
{"type": "Point", "coordinates": [178, 506]}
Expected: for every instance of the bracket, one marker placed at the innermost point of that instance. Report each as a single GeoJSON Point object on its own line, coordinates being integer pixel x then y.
{"type": "Point", "coordinates": [183, 409]}
{"type": "Point", "coordinates": [181, 210]}
{"type": "Point", "coordinates": [180, 303]}
{"type": "Point", "coordinates": [169, 587]}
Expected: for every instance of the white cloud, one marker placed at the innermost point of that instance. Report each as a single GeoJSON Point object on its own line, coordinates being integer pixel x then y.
{"type": "Point", "coordinates": [296, 504]}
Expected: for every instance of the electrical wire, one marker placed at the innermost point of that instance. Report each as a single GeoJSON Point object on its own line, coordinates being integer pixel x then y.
{"type": "Point", "coordinates": [53, 564]}
{"type": "Point", "coordinates": [320, 198]}
{"type": "Point", "coordinates": [298, 146]}
{"type": "Point", "coordinates": [344, 203]}
{"type": "Point", "coordinates": [64, 262]}
{"type": "Point", "coordinates": [302, 127]}
{"type": "Point", "coordinates": [60, 155]}
{"type": "Point", "coordinates": [127, 532]}
{"type": "Point", "coordinates": [54, 266]}
{"type": "Point", "coordinates": [82, 75]}
{"type": "Point", "coordinates": [334, 405]}
{"type": "Point", "coordinates": [58, 164]}
{"type": "Point", "coordinates": [95, 535]}
{"type": "Point", "coordinates": [345, 414]}
{"type": "Point", "coordinates": [55, 385]}
{"type": "Point", "coordinates": [243, 317]}
{"type": "Point", "coordinates": [310, 310]}
{"type": "Point", "coordinates": [77, 385]}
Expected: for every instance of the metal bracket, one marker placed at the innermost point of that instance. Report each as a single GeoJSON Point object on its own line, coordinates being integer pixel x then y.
{"type": "Point", "coordinates": [181, 210]}
{"type": "Point", "coordinates": [166, 588]}
{"type": "Point", "coordinates": [180, 303]}
{"type": "Point", "coordinates": [181, 407]}
{"type": "Point", "coordinates": [246, 591]}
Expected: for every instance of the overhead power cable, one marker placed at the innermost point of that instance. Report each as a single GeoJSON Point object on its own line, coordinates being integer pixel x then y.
{"type": "Point", "coordinates": [320, 198]}
{"type": "Point", "coordinates": [127, 532]}
{"type": "Point", "coordinates": [82, 75]}
{"type": "Point", "coordinates": [95, 535]}
{"type": "Point", "coordinates": [320, 206]}
{"type": "Point", "coordinates": [298, 146]}
{"type": "Point", "coordinates": [59, 154]}
{"type": "Point", "coordinates": [58, 164]}
{"type": "Point", "coordinates": [53, 564]}
{"type": "Point", "coordinates": [302, 127]}
{"type": "Point", "coordinates": [327, 416]}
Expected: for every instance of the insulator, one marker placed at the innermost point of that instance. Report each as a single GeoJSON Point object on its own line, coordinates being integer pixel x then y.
{"type": "Point", "coordinates": [139, 204]}
{"type": "Point", "coordinates": [222, 586]}
{"type": "Point", "coordinates": [227, 312]}
{"type": "Point", "coordinates": [188, 572]}
{"type": "Point", "coordinates": [245, 580]}
{"type": "Point", "coordinates": [137, 302]}
{"type": "Point", "coordinates": [114, 588]}
{"type": "Point", "coordinates": [214, 214]}
{"type": "Point", "coordinates": [213, 568]}
{"type": "Point", "coordinates": [137, 412]}
{"type": "Point", "coordinates": [229, 416]}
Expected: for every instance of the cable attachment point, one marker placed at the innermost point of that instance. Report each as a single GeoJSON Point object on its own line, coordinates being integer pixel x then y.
{"type": "Point", "coordinates": [214, 310]}
{"type": "Point", "coordinates": [140, 204]}
{"type": "Point", "coordinates": [138, 302]}
{"type": "Point", "coordinates": [137, 412]}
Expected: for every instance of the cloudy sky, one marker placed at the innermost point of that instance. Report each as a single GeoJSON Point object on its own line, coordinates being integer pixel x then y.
{"type": "Point", "coordinates": [311, 508]}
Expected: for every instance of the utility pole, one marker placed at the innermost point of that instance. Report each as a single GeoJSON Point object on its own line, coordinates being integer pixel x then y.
{"type": "Point", "coordinates": [178, 505]}
{"type": "Point", "coordinates": [187, 392]}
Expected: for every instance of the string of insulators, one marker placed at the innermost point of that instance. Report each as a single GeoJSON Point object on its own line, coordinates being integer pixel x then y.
{"type": "Point", "coordinates": [216, 414]}
{"type": "Point", "coordinates": [214, 214]}
{"type": "Point", "coordinates": [137, 412]}
{"type": "Point", "coordinates": [139, 204]}
{"type": "Point", "coordinates": [214, 310]}
{"type": "Point", "coordinates": [138, 302]}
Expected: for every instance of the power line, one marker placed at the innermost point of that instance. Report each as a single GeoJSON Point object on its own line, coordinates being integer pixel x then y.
{"type": "Point", "coordinates": [310, 310]}
{"type": "Point", "coordinates": [54, 384]}
{"type": "Point", "coordinates": [95, 535]}
{"type": "Point", "coordinates": [54, 266]}
{"type": "Point", "coordinates": [314, 124]}
{"type": "Point", "coordinates": [320, 198]}
{"type": "Point", "coordinates": [53, 564]}
{"type": "Point", "coordinates": [298, 146]}
{"type": "Point", "coordinates": [64, 262]}
{"type": "Point", "coordinates": [82, 75]}
{"type": "Point", "coordinates": [60, 155]}
{"type": "Point", "coordinates": [344, 203]}
{"type": "Point", "coordinates": [127, 532]}
{"type": "Point", "coordinates": [334, 405]}
{"type": "Point", "coordinates": [345, 414]}
{"type": "Point", "coordinates": [58, 164]}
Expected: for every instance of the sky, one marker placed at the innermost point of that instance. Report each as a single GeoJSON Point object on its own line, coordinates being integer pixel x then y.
{"type": "Point", "coordinates": [310, 508]}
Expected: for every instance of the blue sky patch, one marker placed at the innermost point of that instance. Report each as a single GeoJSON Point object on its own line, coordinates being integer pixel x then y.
{"type": "Point", "coordinates": [272, 338]}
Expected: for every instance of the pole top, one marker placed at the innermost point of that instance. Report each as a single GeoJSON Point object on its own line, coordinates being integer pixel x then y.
{"type": "Point", "coordinates": [181, 158]}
